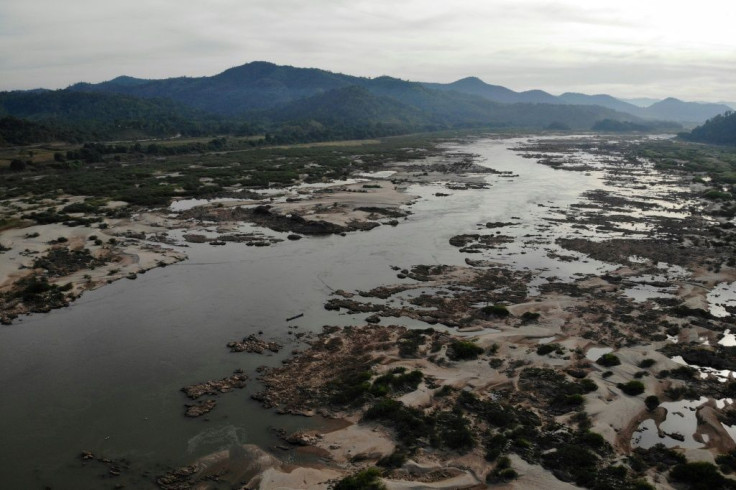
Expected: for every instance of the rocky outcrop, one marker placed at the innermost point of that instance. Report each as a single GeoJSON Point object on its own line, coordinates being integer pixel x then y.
{"type": "Point", "coordinates": [251, 343]}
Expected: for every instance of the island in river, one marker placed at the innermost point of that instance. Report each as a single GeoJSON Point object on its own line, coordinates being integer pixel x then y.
{"type": "Point", "coordinates": [528, 311]}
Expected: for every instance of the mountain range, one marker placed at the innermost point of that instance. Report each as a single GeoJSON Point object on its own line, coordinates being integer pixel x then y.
{"type": "Point", "coordinates": [262, 96]}
{"type": "Point", "coordinates": [669, 109]}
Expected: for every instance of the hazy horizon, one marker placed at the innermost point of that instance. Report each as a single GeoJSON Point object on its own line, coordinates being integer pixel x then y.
{"type": "Point", "coordinates": [622, 48]}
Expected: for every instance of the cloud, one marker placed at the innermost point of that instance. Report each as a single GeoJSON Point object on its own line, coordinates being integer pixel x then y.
{"type": "Point", "coordinates": [548, 43]}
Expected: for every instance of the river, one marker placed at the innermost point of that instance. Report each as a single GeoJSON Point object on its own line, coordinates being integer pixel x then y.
{"type": "Point", "coordinates": [104, 374]}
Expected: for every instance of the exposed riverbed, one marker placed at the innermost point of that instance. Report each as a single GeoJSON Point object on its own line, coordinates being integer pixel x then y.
{"type": "Point", "coordinates": [104, 374]}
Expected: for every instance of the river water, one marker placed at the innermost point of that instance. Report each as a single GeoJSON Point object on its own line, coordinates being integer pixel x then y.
{"type": "Point", "coordinates": [104, 374]}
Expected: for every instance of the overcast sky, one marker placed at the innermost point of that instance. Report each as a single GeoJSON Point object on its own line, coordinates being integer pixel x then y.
{"type": "Point", "coordinates": [628, 48]}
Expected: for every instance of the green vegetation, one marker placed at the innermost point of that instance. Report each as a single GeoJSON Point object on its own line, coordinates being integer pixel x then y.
{"type": "Point", "coordinates": [409, 342]}
{"type": "Point", "coordinates": [700, 476]}
{"type": "Point", "coordinates": [141, 176]}
{"type": "Point", "coordinates": [647, 363]}
{"type": "Point", "coordinates": [463, 350]}
{"type": "Point", "coordinates": [503, 472]}
{"type": "Point", "coordinates": [560, 394]}
{"type": "Point", "coordinates": [393, 460]}
{"type": "Point", "coordinates": [608, 360]}
{"type": "Point", "coordinates": [652, 402]}
{"type": "Point", "coordinates": [717, 163]}
{"type": "Point", "coordinates": [658, 456]}
{"type": "Point", "coordinates": [632, 388]}
{"type": "Point", "coordinates": [350, 388]}
{"type": "Point", "coordinates": [448, 429]}
{"type": "Point", "coordinates": [727, 462]}
{"type": "Point", "coordinates": [38, 294]}
{"type": "Point", "coordinates": [368, 479]}
{"type": "Point", "coordinates": [396, 382]}
{"type": "Point", "coordinates": [494, 413]}
{"type": "Point", "coordinates": [545, 349]}
{"type": "Point", "coordinates": [59, 262]}
{"type": "Point", "coordinates": [720, 130]}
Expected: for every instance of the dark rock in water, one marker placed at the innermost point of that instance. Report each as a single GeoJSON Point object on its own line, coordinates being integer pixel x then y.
{"type": "Point", "coordinates": [294, 236]}
{"type": "Point", "coordinates": [200, 408]}
{"type": "Point", "coordinates": [373, 319]}
{"type": "Point", "coordinates": [498, 224]}
{"type": "Point", "coordinates": [390, 212]}
{"type": "Point", "coordinates": [195, 238]}
{"type": "Point", "coordinates": [252, 343]}
{"type": "Point", "coordinates": [213, 387]}
{"type": "Point", "coordinates": [676, 436]}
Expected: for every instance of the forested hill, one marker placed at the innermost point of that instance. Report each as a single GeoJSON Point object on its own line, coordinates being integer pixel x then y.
{"type": "Point", "coordinates": [254, 89]}
{"type": "Point", "coordinates": [291, 104]}
{"type": "Point", "coordinates": [720, 130]}
{"type": "Point", "coordinates": [75, 116]}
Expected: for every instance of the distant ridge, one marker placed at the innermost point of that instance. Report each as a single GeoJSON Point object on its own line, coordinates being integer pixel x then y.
{"type": "Point", "coordinates": [302, 104]}
{"type": "Point", "coordinates": [669, 109]}
{"type": "Point", "coordinates": [268, 92]}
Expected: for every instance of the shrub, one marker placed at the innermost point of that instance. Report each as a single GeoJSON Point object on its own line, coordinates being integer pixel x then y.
{"type": "Point", "coordinates": [463, 350]}
{"type": "Point", "coordinates": [491, 411]}
{"type": "Point", "coordinates": [401, 383]}
{"type": "Point", "coordinates": [350, 388]}
{"type": "Point", "coordinates": [545, 349]}
{"type": "Point", "coordinates": [647, 363]}
{"type": "Point", "coordinates": [409, 423]}
{"type": "Point", "coordinates": [700, 476]}
{"type": "Point", "coordinates": [727, 462]}
{"type": "Point", "coordinates": [592, 440]}
{"type": "Point", "coordinates": [367, 479]}
{"type": "Point", "coordinates": [651, 402]}
{"type": "Point", "coordinates": [495, 445]}
{"type": "Point", "coordinates": [444, 391]}
{"type": "Point", "coordinates": [454, 430]}
{"type": "Point", "coordinates": [394, 460]}
{"type": "Point", "coordinates": [503, 471]}
{"type": "Point", "coordinates": [632, 388]}
{"type": "Point", "coordinates": [608, 360]}
{"type": "Point", "coordinates": [588, 385]}
{"type": "Point", "coordinates": [574, 462]}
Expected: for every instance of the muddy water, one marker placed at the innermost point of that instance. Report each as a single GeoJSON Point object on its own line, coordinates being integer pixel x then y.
{"type": "Point", "coordinates": [104, 375]}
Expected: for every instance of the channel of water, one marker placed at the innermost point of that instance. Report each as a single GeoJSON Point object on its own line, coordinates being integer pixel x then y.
{"type": "Point", "coordinates": [104, 374]}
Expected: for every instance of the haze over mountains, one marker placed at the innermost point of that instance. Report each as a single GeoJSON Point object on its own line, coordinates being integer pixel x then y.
{"type": "Point", "coordinates": [314, 104]}
{"type": "Point", "coordinates": [669, 109]}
